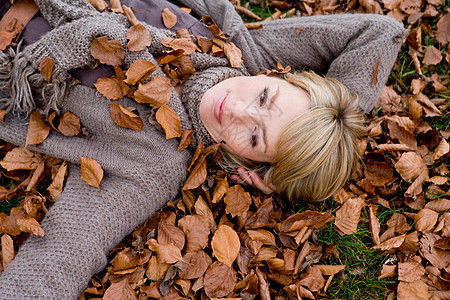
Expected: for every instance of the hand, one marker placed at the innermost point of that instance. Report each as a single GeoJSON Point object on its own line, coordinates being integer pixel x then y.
{"type": "Point", "coordinates": [253, 179]}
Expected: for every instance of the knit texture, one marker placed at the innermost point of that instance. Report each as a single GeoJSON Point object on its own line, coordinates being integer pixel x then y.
{"type": "Point", "coordinates": [143, 170]}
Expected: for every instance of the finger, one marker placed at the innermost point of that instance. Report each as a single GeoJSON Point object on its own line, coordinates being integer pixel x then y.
{"type": "Point", "coordinates": [245, 176]}
{"type": "Point", "coordinates": [260, 184]}
{"type": "Point", "coordinates": [237, 179]}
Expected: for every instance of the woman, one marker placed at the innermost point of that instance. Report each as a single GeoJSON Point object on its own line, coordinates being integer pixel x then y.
{"type": "Point", "coordinates": [143, 170]}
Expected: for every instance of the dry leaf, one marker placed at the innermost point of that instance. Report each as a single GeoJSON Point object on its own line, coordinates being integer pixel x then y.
{"type": "Point", "coordinates": [443, 29]}
{"type": "Point", "coordinates": [169, 120]}
{"type": "Point", "coordinates": [394, 242]}
{"type": "Point", "coordinates": [347, 217]}
{"type": "Point", "coordinates": [387, 271]}
{"type": "Point", "coordinates": [125, 118]}
{"type": "Point", "coordinates": [425, 220]}
{"type": "Point", "coordinates": [169, 18]}
{"type": "Point", "coordinates": [238, 201]}
{"type": "Point", "coordinates": [417, 290]}
{"type": "Point", "coordinates": [186, 139]}
{"type": "Point", "coordinates": [20, 158]}
{"type": "Point", "coordinates": [170, 234]}
{"type": "Point", "coordinates": [139, 71]}
{"type": "Point", "coordinates": [225, 245]}
{"type": "Point", "coordinates": [215, 30]}
{"type": "Point", "coordinates": [37, 129]}
{"type": "Point", "coordinates": [2, 116]}
{"type": "Point", "coordinates": [219, 280]}
{"type": "Point", "coordinates": [374, 224]}
{"type": "Point", "coordinates": [232, 52]}
{"type": "Point", "coordinates": [112, 87]}
{"type": "Point", "coordinates": [99, 5]}
{"type": "Point", "coordinates": [128, 12]}
{"type": "Point", "coordinates": [156, 92]}
{"type": "Point", "coordinates": [196, 229]}
{"type": "Point", "coordinates": [263, 236]}
{"type": "Point", "coordinates": [432, 56]}
{"type": "Point", "coordinates": [197, 176]}
{"type": "Point", "coordinates": [116, 6]}
{"type": "Point", "coordinates": [442, 149]}
{"type": "Point", "coordinates": [410, 165]}
{"type": "Point", "coordinates": [7, 252]}
{"type": "Point", "coordinates": [375, 73]}
{"type": "Point", "coordinates": [410, 271]}
{"type": "Point", "coordinates": [185, 44]}
{"type": "Point", "coordinates": [138, 37]}
{"type": "Point", "coordinates": [312, 279]}
{"type": "Point", "coordinates": [30, 225]}
{"type": "Point", "coordinates": [167, 253]}
{"type": "Point", "coordinates": [109, 52]}
{"type": "Point", "coordinates": [196, 264]}
{"type": "Point", "coordinates": [56, 187]}
{"type": "Point", "coordinates": [91, 171]}
{"type": "Point", "coordinates": [69, 124]}
{"type": "Point", "coordinates": [120, 290]}
{"type": "Point", "coordinates": [46, 68]}
{"type": "Point", "coordinates": [439, 205]}
{"type": "Point", "coordinates": [330, 269]}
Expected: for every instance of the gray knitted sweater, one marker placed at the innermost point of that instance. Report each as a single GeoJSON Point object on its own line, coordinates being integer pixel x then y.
{"type": "Point", "coordinates": [143, 170]}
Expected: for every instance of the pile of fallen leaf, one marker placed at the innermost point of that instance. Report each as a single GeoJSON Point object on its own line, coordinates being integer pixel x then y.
{"type": "Point", "coordinates": [222, 240]}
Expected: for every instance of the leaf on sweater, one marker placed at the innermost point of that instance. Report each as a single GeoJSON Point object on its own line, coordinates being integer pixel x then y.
{"type": "Point", "coordinates": [129, 13]}
{"type": "Point", "coordinates": [20, 159]}
{"type": "Point", "coordinates": [2, 116]}
{"type": "Point", "coordinates": [169, 56]}
{"type": "Point", "coordinates": [185, 44]}
{"type": "Point", "coordinates": [116, 6]}
{"type": "Point", "coordinates": [7, 252]}
{"type": "Point", "coordinates": [69, 124]}
{"type": "Point", "coordinates": [196, 263]}
{"type": "Point", "coordinates": [169, 18]}
{"type": "Point", "coordinates": [215, 30]}
{"type": "Point", "coordinates": [55, 188]}
{"type": "Point", "coordinates": [99, 5]}
{"type": "Point", "coordinates": [204, 43]}
{"type": "Point", "coordinates": [37, 131]}
{"type": "Point", "coordinates": [169, 120]}
{"type": "Point", "coordinates": [219, 280]}
{"type": "Point", "coordinates": [232, 52]}
{"type": "Point", "coordinates": [347, 217]}
{"type": "Point", "coordinates": [10, 32]}
{"type": "Point", "coordinates": [157, 92]}
{"type": "Point", "coordinates": [139, 71]}
{"type": "Point", "coordinates": [112, 87]}
{"type": "Point", "coordinates": [109, 52]}
{"type": "Point", "coordinates": [91, 171]}
{"type": "Point", "coordinates": [138, 37]}
{"type": "Point", "coordinates": [125, 118]}
{"type": "Point", "coordinates": [167, 253]}
{"type": "Point", "coordinates": [225, 245]}
{"type": "Point", "coordinates": [186, 139]}
{"type": "Point", "coordinates": [46, 68]}
{"type": "Point", "coordinates": [375, 73]}
{"type": "Point", "coordinates": [120, 290]}
{"type": "Point", "coordinates": [238, 201]}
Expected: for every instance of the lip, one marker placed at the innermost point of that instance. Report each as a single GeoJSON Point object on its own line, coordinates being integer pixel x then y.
{"type": "Point", "coordinates": [218, 108]}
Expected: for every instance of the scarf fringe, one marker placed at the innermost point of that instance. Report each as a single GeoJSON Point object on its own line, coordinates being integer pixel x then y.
{"type": "Point", "coordinates": [24, 89]}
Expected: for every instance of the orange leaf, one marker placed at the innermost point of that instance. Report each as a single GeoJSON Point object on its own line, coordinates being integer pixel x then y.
{"type": "Point", "coordinates": [169, 120]}
{"type": "Point", "coordinates": [168, 253]}
{"type": "Point", "coordinates": [264, 236]}
{"type": "Point", "coordinates": [38, 131]}
{"type": "Point", "coordinates": [120, 290]}
{"type": "Point", "coordinates": [128, 12]}
{"type": "Point", "coordinates": [111, 87]}
{"type": "Point", "coordinates": [30, 225]}
{"type": "Point", "coordinates": [125, 118]}
{"type": "Point", "coordinates": [69, 124]}
{"type": "Point", "coordinates": [204, 43]}
{"type": "Point", "coordinates": [7, 252]}
{"type": "Point", "coordinates": [99, 5]}
{"type": "Point", "coordinates": [442, 149]}
{"type": "Point", "coordinates": [169, 18]}
{"type": "Point", "coordinates": [220, 189]}
{"type": "Point", "coordinates": [156, 92]}
{"type": "Point", "coordinates": [232, 52]}
{"type": "Point", "coordinates": [139, 38]}
{"type": "Point", "coordinates": [46, 67]}
{"type": "Point", "coordinates": [185, 44]}
{"type": "Point", "coordinates": [139, 71]}
{"type": "Point", "coordinates": [197, 176]}
{"type": "Point", "coordinates": [196, 229]}
{"type": "Point", "coordinates": [116, 6]}
{"type": "Point", "coordinates": [238, 201]}
{"type": "Point", "coordinates": [215, 30]}
{"type": "Point", "coordinates": [55, 188]}
{"type": "Point", "coordinates": [375, 73]}
{"type": "Point", "coordinates": [91, 171]}
{"type": "Point", "coordinates": [347, 217]}
{"type": "Point", "coordinates": [387, 271]}
{"type": "Point", "coordinates": [2, 115]}
{"type": "Point", "coordinates": [225, 245]}
{"type": "Point", "coordinates": [109, 52]}
{"type": "Point", "coordinates": [186, 139]}
{"type": "Point", "coordinates": [20, 159]}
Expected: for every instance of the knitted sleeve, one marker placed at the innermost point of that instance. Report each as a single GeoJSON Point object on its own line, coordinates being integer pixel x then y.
{"type": "Point", "coordinates": [58, 12]}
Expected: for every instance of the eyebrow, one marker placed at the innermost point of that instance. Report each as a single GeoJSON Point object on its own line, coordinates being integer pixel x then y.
{"type": "Point", "coordinates": [264, 129]}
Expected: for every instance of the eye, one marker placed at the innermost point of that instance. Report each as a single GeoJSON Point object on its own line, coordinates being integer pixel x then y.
{"type": "Point", "coordinates": [254, 138]}
{"type": "Point", "coordinates": [263, 97]}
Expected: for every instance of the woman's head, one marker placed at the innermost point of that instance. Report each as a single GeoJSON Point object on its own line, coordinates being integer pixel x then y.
{"type": "Point", "coordinates": [316, 146]}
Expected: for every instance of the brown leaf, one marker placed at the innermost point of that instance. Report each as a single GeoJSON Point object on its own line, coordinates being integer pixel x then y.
{"type": "Point", "coordinates": [347, 217]}
{"type": "Point", "coordinates": [125, 118]}
{"type": "Point", "coordinates": [109, 52]}
{"type": "Point", "coordinates": [167, 253]}
{"type": "Point", "coordinates": [46, 68]}
{"type": "Point", "coordinates": [410, 165]}
{"type": "Point", "coordinates": [196, 264]}
{"type": "Point", "coordinates": [262, 217]}
{"type": "Point", "coordinates": [20, 159]}
{"type": "Point", "coordinates": [238, 201]}
{"type": "Point", "coordinates": [313, 279]}
{"type": "Point", "coordinates": [99, 5]}
{"type": "Point", "coordinates": [442, 149]}
{"type": "Point", "coordinates": [417, 85]}
{"type": "Point", "coordinates": [185, 44]}
{"type": "Point", "coordinates": [38, 131]}
{"type": "Point", "coordinates": [139, 71]}
{"type": "Point", "coordinates": [220, 189]}
{"type": "Point", "coordinates": [120, 290]}
{"type": "Point", "coordinates": [264, 236]}
{"type": "Point", "coordinates": [394, 242]}
{"type": "Point", "coordinates": [443, 29]}
{"type": "Point", "coordinates": [215, 30]}
{"type": "Point", "coordinates": [374, 224]}
{"type": "Point", "coordinates": [417, 290]}
{"type": "Point", "coordinates": [197, 176]}
{"type": "Point", "coordinates": [219, 280]}
{"type": "Point", "coordinates": [112, 87]}
{"type": "Point", "coordinates": [429, 107]}
{"type": "Point", "coordinates": [202, 208]}
{"type": "Point", "coordinates": [389, 100]}
{"type": "Point", "coordinates": [432, 56]}
{"type": "Point", "coordinates": [138, 38]}
{"type": "Point", "coordinates": [439, 205]}
{"type": "Point", "coordinates": [69, 124]}
{"type": "Point", "coordinates": [196, 229]}
{"type": "Point", "coordinates": [30, 225]}
{"type": "Point", "coordinates": [232, 52]}
{"type": "Point", "coordinates": [330, 269]}
{"type": "Point", "coordinates": [91, 171]}
{"type": "Point", "coordinates": [116, 6]}
{"type": "Point", "coordinates": [375, 73]}
{"type": "Point", "coordinates": [7, 252]}
{"type": "Point", "coordinates": [402, 128]}
{"type": "Point", "coordinates": [225, 245]}
{"type": "Point", "coordinates": [387, 271]}
{"type": "Point", "coordinates": [169, 120]}
{"type": "Point", "coordinates": [2, 115]}
{"type": "Point", "coordinates": [156, 270]}
{"type": "Point", "coordinates": [169, 18]}
{"type": "Point", "coordinates": [437, 257]}
{"type": "Point", "coordinates": [410, 271]}
{"type": "Point", "coordinates": [156, 92]}
{"type": "Point", "coordinates": [425, 219]}
{"type": "Point", "coordinates": [186, 139]}
{"type": "Point", "coordinates": [128, 12]}
{"type": "Point", "coordinates": [379, 173]}
{"type": "Point", "coordinates": [204, 43]}
{"type": "Point", "coordinates": [443, 244]}
{"type": "Point", "coordinates": [55, 188]}
{"type": "Point", "coordinates": [170, 234]}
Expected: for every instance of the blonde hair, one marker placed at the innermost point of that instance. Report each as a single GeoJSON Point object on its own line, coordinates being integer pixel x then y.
{"type": "Point", "coordinates": [318, 150]}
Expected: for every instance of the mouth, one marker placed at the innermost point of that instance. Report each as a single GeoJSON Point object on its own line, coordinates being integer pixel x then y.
{"type": "Point", "coordinates": [218, 108]}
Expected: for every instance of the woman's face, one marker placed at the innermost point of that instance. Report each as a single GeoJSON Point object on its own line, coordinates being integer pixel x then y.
{"type": "Point", "coordinates": [248, 114]}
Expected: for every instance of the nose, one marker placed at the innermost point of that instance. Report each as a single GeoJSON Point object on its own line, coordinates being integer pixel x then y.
{"type": "Point", "coordinates": [241, 112]}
